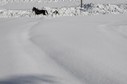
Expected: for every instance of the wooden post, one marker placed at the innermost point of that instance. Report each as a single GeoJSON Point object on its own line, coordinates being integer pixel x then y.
{"type": "Point", "coordinates": [81, 3]}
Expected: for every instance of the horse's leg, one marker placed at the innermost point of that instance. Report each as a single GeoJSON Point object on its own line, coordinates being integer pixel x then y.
{"type": "Point", "coordinates": [46, 12]}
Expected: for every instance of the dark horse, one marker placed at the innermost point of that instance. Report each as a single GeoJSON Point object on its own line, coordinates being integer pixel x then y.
{"type": "Point", "coordinates": [38, 12]}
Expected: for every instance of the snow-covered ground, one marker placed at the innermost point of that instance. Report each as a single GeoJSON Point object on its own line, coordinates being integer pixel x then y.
{"type": "Point", "coordinates": [22, 8]}
{"type": "Point", "coordinates": [88, 9]}
{"type": "Point", "coordinates": [65, 50]}
{"type": "Point", "coordinates": [51, 3]}
{"type": "Point", "coordinates": [90, 48]}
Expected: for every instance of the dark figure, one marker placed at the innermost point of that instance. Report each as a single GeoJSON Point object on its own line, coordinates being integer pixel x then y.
{"type": "Point", "coordinates": [38, 12]}
{"type": "Point", "coordinates": [56, 12]}
{"type": "Point", "coordinates": [88, 6]}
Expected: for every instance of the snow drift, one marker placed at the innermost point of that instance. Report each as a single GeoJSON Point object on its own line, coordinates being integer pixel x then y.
{"type": "Point", "coordinates": [85, 49]}
{"type": "Point", "coordinates": [92, 48]}
{"type": "Point", "coordinates": [69, 50]}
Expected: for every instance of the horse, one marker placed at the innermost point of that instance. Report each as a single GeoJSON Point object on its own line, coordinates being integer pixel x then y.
{"type": "Point", "coordinates": [38, 11]}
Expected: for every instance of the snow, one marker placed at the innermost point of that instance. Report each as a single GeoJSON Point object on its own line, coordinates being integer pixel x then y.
{"type": "Point", "coordinates": [64, 50]}
{"type": "Point", "coordinates": [92, 48]}
{"type": "Point", "coordinates": [88, 48]}
{"type": "Point", "coordinates": [20, 57]}
{"type": "Point", "coordinates": [88, 9]}
{"type": "Point", "coordinates": [28, 4]}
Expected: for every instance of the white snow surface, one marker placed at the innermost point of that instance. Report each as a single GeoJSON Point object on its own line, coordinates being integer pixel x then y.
{"type": "Point", "coordinates": [65, 50]}
{"type": "Point", "coordinates": [88, 9]}
{"type": "Point", "coordinates": [57, 3]}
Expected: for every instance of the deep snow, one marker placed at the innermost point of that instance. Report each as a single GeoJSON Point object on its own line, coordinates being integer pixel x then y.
{"type": "Point", "coordinates": [21, 58]}
{"type": "Point", "coordinates": [88, 9]}
{"type": "Point", "coordinates": [84, 49]}
{"type": "Point", "coordinates": [65, 50]}
{"type": "Point", "coordinates": [92, 48]}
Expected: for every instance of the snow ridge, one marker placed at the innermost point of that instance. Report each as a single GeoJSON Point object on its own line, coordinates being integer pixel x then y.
{"type": "Point", "coordinates": [87, 9]}
{"type": "Point", "coordinates": [3, 2]}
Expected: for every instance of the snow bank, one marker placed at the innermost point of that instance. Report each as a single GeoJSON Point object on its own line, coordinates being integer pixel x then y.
{"type": "Point", "coordinates": [91, 48]}
{"type": "Point", "coordinates": [69, 50]}
{"type": "Point", "coordinates": [3, 2]}
{"type": "Point", "coordinates": [88, 9]}
{"type": "Point", "coordinates": [22, 62]}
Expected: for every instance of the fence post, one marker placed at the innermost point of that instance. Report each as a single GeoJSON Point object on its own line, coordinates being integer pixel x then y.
{"type": "Point", "coordinates": [81, 3]}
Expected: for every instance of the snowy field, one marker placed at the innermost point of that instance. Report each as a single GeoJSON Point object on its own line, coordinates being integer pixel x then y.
{"type": "Point", "coordinates": [88, 48]}
{"type": "Point", "coordinates": [23, 8]}
{"type": "Point", "coordinates": [87, 9]}
{"type": "Point", "coordinates": [27, 4]}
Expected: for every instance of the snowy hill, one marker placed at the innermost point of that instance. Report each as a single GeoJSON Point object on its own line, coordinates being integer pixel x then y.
{"type": "Point", "coordinates": [66, 50]}
{"type": "Point", "coordinates": [88, 9]}
{"type": "Point", "coordinates": [90, 48]}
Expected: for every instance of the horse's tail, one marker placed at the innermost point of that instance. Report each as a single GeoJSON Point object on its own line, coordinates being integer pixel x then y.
{"type": "Point", "coordinates": [46, 12]}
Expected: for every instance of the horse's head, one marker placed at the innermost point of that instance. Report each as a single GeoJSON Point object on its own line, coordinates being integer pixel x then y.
{"type": "Point", "coordinates": [34, 8]}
